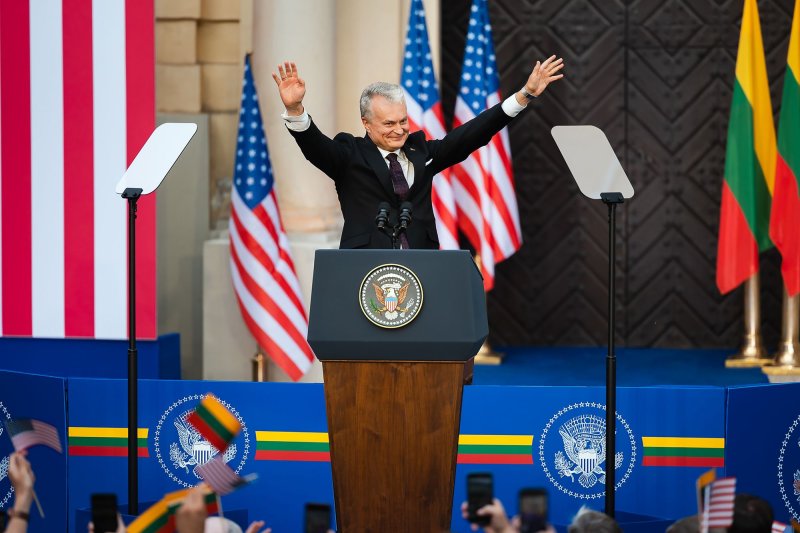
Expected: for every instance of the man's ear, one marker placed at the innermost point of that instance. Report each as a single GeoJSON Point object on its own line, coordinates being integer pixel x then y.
{"type": "Point", "coordinates": [365, 122]}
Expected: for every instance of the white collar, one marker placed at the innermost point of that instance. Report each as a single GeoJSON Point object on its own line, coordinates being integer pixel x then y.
{"type": "Point", "coordinates": [384, 153]}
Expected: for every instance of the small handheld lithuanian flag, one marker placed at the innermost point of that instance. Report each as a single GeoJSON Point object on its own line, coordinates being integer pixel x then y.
{"type": "Point", "coordinates": [160, 518]}
{"type": "Point", "coordinates": [214, 422]}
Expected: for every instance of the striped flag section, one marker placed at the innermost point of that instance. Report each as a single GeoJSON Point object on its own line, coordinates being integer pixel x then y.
{"type": "Point", "coordinates": [780, 527]}
{"type": "Point", "coordinates": [483, 183]}
{"type": "Point", "coordinates": [683, 451]}
{"type": "Point", "coordinates": [263, 272]}
{"type": "Point", "coordinates": [160, 517]}
{"type": "Point", "coordinates": [219, 476]}
{"type": "Point", "coordinates": [719, 503]}
{"type": "Point", "coordinates": [292, 446]}
{"type": "Point", "coordinates": [77, 104]}
{"type": "Point", "coordinates": [425, 113]}
{"type": "Point", "coordinates": [25, 433]}
{"type": "Point", "coordinates": [495, 449]}
{"type": "Point", "coordinates": [784, 224]}
{"type": "Point", "coordinates": [750, 160]}
{"type": "Point", "coordinates": [104, 441]}
{"type": "Point", "coordinates": [156, 519]}
{"type": "Point", "coordinates": [214, 422]}
{"type": "Point", "coordinates": [307, 446]}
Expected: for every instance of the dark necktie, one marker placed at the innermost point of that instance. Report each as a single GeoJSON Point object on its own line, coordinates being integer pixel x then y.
{"type": "Point", "coordinates": [399, 183]}
{"type": "Point", "coordinates": [400, 186]}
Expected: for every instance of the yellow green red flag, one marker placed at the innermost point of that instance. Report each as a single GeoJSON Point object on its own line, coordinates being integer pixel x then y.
{"type": "Point", "coordinates": [749, 162]}
{"type": "Point", "coordinates": [784, 226]}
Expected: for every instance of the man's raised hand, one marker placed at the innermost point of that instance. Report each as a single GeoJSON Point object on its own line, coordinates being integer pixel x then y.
{"type": "Point", "coordinates": [543, 74]}
{"type": "Point", "coordinates": [291, 88]}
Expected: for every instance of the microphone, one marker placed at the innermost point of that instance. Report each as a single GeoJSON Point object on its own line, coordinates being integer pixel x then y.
{"type": "Point", "coordinates": [405, 215]}
{"type": "Point", "coordinates": [383, 215]}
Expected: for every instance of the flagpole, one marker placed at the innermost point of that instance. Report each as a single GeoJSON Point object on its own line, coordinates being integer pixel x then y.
{"type": "Point", "coordinates": [486, 354]}
{"type": "Point", "coordinates": [752, 352]}
{"type": "Point", "coordinates": [787, 360]}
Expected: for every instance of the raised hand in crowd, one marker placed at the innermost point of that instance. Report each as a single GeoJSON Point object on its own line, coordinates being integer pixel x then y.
{"type": "Point", "coordinates": [256, 526]}
{"type": "Point", "coordinates": [191, 515]}
{"type": "Point", "coordinates": [22, 479]}
{"type": "Point", "coordinates": [499, 521]}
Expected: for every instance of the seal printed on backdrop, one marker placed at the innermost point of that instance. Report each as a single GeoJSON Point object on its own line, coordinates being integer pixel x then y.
{"type": "Point", "coordinates": [390, 296]}
{"type": "Point", "coordinates": [186, 449]}
{"type": "Point", "coordinates": [789, 469]}
{"type": "Point", "coordinates": [573, 444]}
{"type": "Point", "coordinates": [5, 483]}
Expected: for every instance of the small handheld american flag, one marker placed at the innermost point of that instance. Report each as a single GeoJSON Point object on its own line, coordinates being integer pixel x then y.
{"type": "Point", "coordinates": [220, 477]}
{"type": "Point", "coordinates": [719, 503]}
{"type": "Point", "coordinates": [25, 433]}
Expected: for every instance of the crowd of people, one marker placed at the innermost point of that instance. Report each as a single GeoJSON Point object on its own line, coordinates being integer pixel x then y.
{"type": "Point", "coordinates": [751, 513]}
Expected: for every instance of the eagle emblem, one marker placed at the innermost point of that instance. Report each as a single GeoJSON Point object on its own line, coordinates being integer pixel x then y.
{"type": "Point", "coordinates": [179, 460]}
{"type": "Point", "coordinates": [194, 450]}
{"type": "Point", "coordinates": [585, 445]}
{"type": "Point", "coordinates": [390, 296]}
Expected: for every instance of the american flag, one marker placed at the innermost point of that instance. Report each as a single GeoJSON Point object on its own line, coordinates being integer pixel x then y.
{"type": "Point", "coordinates": [77, 104]}
{"type": "Point", "coordinates": [425, 113]}
{"type": "Point", "coordinates": [27, 433]}
{"type": "Point", "coordinates": [261, 264]}
{"type": "Point", "coordinates": [219, 476]}
{"type": "Point", "coordinates": [484, 183]}
{"type": "Point", "coordinates": [719, 503]}
{"type": "Point", "coordinates": [780, 527]}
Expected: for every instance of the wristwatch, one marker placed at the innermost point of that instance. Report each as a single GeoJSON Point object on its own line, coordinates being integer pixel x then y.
{"type": "Point", "coordinates": [22, 515]}
{"type": "Point", "coordinates": [527, 95]}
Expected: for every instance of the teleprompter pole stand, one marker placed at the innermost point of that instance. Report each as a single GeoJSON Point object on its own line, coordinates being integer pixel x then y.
{"type": "Point", "coordinates": [611, 199]}
{"type": "Point", "coordinates": [143, 176]}
{"type": "Point", "coordinates": [596, 168]}
{"type": "Point", "coordinates": [132, 195]}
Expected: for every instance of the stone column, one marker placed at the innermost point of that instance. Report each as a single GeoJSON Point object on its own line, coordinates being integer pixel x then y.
{"type": "Point", "coordinates": [303, 32]}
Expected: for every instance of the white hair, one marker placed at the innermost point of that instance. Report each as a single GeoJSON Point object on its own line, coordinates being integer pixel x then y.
{"type": "Point", "coordinates": [390, 91]}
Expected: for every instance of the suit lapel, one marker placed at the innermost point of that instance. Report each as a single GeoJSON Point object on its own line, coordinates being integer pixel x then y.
{"type": "Point", "coordinates": [417, 158]}
{"type": "Point", "coordinates": [378, 164]}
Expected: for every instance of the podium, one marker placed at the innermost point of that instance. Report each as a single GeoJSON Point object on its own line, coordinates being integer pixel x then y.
{"type": "Point", "coordinates": [393, 392]}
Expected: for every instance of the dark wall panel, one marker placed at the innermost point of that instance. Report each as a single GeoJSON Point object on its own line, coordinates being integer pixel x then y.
{"type": "Point", "coordinates": [656, 76]}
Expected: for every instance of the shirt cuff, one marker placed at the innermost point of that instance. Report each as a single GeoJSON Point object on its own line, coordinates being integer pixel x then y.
{"type": "Point", "coordinates": [296, 123]}
{"type": "Point", "coordinates": [511, 107]}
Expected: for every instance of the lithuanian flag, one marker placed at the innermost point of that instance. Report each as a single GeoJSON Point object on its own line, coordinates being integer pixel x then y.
{"type": "Point", "coordinates": [749, 162]}
{"type": "Point", "coordinates": [495, 449]}
{"type": "Point", "coordinates": [214, 422]}
{"type": "Point", "coordinates": [784, 225]}
{"type": "Point", "coordinates": [292, 446]}
{"type": "Point", "coordinates": [104, 442]}
{"type": "Point", "coordinates": [160, 518]}
{"type": "Point", "coordinates": [683, 451]}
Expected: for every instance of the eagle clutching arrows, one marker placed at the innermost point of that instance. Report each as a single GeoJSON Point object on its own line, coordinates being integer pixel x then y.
{"type": "Point", "coordinates": [390, 296]}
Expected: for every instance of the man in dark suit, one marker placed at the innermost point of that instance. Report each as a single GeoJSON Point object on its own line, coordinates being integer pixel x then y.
{"type": "Point", "coordinates": [388, 164]}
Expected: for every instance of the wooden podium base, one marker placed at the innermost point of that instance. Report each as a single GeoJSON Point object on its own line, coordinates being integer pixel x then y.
{"type": "Point", "coordinates": [393, 429]}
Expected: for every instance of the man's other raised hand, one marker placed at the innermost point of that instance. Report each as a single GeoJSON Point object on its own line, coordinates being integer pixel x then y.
{"type": "Point", "coordinates": [291, 88]}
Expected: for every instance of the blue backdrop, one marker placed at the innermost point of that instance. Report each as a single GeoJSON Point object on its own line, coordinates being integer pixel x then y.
{"type": "Point", "coordinates": [552, 422]}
